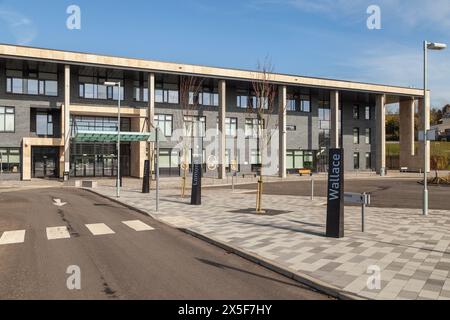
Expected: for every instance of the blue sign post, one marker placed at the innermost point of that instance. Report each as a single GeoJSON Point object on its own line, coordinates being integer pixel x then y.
{"type": "Point", "coordinates": [335, 211]}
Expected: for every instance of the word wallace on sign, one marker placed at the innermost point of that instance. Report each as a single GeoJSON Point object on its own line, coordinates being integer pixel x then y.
{"type": "Point", "coordinates": [335, 212]}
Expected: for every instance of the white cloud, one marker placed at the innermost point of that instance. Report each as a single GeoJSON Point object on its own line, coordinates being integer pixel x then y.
{"type": "Point", "coordinates": [402, 65]}
{"type": "Point", "coordinates": [21, 27]}
{"type": "Point", "coordinates": [410, 13]}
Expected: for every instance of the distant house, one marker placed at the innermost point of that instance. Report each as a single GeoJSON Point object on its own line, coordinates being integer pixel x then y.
{"type": "Point", "coordinates": [443, 128]}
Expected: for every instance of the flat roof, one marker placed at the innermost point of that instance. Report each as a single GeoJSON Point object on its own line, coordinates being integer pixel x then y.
{"type": "Point", "coordinates": [80, 58]}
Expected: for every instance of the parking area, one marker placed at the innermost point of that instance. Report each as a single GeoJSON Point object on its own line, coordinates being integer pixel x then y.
{"type": "Point", "coordinates": [386, 192]}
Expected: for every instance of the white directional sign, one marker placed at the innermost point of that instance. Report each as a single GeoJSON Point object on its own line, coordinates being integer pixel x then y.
{"type": "Point", "coordinates": [357, 198]}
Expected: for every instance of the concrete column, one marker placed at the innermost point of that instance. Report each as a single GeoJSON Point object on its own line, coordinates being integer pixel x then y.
{"type": "Point", "coordinates": [425, 126]}
{"type": "Point", "coordinates": [407, 150]}
{"type": "Point", "coordinates": [66, 123]}
{"type": "Point", "coordinates": [381, 134]}
{"type": "Point", "coordinates": [151, 115]}
{"type": "Point", "coordinates": [282, 104]}
{"type": "Point", "coordinates": [334, 113]}
{"type": "Point", "coordinates": [222, 131]}
{"type": "Point", "coordinates": [138, 150]}
{"type": "Point", "coordinates": [26, 160]}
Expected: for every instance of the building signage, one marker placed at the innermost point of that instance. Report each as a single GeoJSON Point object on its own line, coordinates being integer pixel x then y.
{"type": "Point", "coordinates": [146, 180]}
{"type": "Point", "coordinates": [196, 194]}
{"type": "Point", "coordinates": [335, 212]}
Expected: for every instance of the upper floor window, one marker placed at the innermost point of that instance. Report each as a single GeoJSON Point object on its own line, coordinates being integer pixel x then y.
{"type": "Point", "coordinates": [299, 102]}
{"type": "Point", "coordinates": [91, 85]}
{"type": "Point", "coordinates": [246, 100]}
{"type": "Point", "coordinates": [367, 113]}
{"type": "Point", "coordinates": [44, 124]}
{"type": "Point", "coordinates": [167, 93]}
{"type": "Point", "coordinates": [356, 112]}
{"type": "Point", "coordinates": [164, 123]}
{"type": "Point", "coordinates": [105, 124]}
{"type": "Point", "coordinates": [32, 83]}
{"type": "Point", "coordinates": [7, 119]}
{"type": "Point", "coordinates": [141, 91]}
{"type": "Point", "coordinates": [194, 126]}
{"type": "Point", "coordinates": [207, 97]}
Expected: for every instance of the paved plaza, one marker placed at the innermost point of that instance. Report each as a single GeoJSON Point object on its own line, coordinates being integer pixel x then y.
{"type": "Point", "coordinates": [411, 251]}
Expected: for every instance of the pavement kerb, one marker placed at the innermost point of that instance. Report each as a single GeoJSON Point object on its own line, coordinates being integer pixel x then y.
{"type": "Point", "coordinates": [304, 279]}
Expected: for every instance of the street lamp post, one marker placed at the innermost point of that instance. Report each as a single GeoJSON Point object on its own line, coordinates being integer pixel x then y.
{"type": "Point", "coordinates": [118, 84]}
{"type": "Point", "coordinates": [427, 46]}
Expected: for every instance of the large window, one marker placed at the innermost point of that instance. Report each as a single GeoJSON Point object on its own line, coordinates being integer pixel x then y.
{"type": "Point", "coordinates": [83, 123]}
{"type": "Point", "coordinates": [167, 93]}
{"type": "Point", "coordinates": [32, 83]}
{"type": "Point", "coordinates": [164, 122]}
{"type": "Point", "coordinates": [10, 160]}
{"type": "Point", "coordinates": [253, 127]}
{"type": "Point", "coordinates": [298, 159]}
{"type": "Point", "coordinates": [44, 124]}
{"type": "Point", "coordinates": [299, 102]}
{"type": "Point", "coordinates": [355, 135]}
{"type": "Point", "coordinates": [207, 97]}
{"type": "Point", "coordinates": [7, 119]}
{"type": "Point", "coordinates": [324, 124]}
{"type": "Point", "coordinates": [91, 84]}
{"type": "Point", "coordinates": [230, 127]}
{"type": "Point", "coordinates": [246, 100]}
{"type": "Point", "coordinates": [194, 126]}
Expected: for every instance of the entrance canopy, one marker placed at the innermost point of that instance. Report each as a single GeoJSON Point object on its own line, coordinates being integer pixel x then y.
{"type": "Point", "coordinates": [111, 137]}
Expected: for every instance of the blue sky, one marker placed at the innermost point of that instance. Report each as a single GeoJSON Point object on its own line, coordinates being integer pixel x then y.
{"type": "Point", "coordinates": [325, 38]}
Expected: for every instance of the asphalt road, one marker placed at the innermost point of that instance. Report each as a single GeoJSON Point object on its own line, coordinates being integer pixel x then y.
{"type": "Point", "coordinates": [161, 264]}
{"type": "Point", "coordinates": [386, 193]}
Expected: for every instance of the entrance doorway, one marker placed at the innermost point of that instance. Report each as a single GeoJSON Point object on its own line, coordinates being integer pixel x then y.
{"type": "Point", "coordinates": [45, 164]}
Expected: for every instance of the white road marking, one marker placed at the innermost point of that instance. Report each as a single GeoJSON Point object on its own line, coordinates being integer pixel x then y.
{"type": "Point", "coordinates": [13, 237]}
{"type": "Point", "coordinates": [57, 233]}
{"type": "Point", "coordinates": [138, 225]}
{"type": "Point", "coordinates": [58, 203]}
{"type": "Point", "coordinates": [99, 229]}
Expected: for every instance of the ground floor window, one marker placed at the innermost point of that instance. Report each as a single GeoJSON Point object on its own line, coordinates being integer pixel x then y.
{"type": "Point", "coordinates": [368, 161]}
{"type": "Point", "coordinates": [299, 159]}
{"type": "Point", "coordinates": [99, 159]}
{"type": "Point", "coordinates": [356, 161]}
{"type": "Point", "coordinates": [9, 160]}
{"type": "Point", "coordinates": [169, 162]}
{"type": "Point", "coordinates": [45, 162]}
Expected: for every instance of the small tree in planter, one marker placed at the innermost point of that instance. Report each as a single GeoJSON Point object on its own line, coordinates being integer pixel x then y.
{"type": "Point", "coordinates": [190, 87]}
{"type": "Point", "coordinates": [262, 104]}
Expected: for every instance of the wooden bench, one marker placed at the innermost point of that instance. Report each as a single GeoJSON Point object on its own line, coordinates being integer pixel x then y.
{"type": "Point", "coordinates": [404, 169]}
{"type": "Point", "coordinates": [303, 172]}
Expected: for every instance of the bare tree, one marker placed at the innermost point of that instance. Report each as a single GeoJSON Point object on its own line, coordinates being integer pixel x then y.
{"type": "Point", "coordinates": [262, 104]}
{"type": "Point", "coordinates": [190, 88]}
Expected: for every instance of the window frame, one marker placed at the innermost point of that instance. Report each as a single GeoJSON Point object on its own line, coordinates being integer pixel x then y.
{"type": "Point", "coordinates": [4, 114]}
{"type": "Point", "coordinates": [165, 121]}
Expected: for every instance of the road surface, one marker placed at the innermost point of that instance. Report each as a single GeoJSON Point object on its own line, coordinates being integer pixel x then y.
{"type": "Point", "coordinates": [115, 260]}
